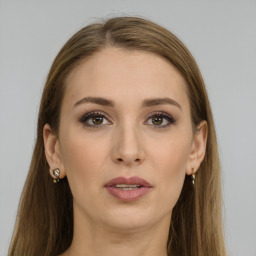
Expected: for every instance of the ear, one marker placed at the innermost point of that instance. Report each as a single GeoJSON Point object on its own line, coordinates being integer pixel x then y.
{"type": "Point", "coordinates": [52, 151]}
{"type": "Point", "coordinates": [198, 148]}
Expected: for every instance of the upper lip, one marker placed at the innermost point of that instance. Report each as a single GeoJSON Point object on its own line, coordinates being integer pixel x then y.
{"type": "Point", "coordinates": [128, 181]}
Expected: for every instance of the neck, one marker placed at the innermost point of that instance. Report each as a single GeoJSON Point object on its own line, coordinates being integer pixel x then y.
{"type": "Point", "coordinates": [101, 240]}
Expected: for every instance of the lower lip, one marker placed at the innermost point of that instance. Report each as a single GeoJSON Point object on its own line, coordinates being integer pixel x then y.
{"type": "Point", "coordinates": [128, 195]}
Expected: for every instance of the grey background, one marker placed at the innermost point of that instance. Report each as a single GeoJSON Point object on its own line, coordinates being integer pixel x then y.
{"type": "Point", "coordinates": [220, 34]}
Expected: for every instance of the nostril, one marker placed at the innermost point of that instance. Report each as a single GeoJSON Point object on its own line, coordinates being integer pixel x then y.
{"type": "Point", "coordinates": [121, 160]}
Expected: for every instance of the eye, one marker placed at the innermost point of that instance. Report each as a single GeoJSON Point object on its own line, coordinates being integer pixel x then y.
{"type": "Point", "coordinates": [160, 120]}
{"type": "Point", "coordinates": [94, 119]}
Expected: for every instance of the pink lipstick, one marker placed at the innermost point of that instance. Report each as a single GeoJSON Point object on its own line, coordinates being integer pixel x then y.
{"type": "Point", "coordinates": [128, 189]}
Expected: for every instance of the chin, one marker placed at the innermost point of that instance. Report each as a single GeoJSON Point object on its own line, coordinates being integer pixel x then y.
{"type": "Point", "coordinates": [131, 218]}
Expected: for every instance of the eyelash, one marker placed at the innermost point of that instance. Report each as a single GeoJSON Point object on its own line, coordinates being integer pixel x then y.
{"type": "Point", "coordinates": [84, 119]}
{"type": "Point", "coordinates": [163, 115]}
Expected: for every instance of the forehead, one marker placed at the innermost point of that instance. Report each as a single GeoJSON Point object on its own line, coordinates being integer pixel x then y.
{"type": "Point", "coordinates": [125, 76]}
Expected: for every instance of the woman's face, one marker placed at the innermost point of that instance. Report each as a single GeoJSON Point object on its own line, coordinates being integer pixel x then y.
{"type": "Point", "coordinates": [125, 113]}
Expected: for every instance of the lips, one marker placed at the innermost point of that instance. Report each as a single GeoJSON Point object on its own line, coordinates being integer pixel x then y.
{"type": "Point", "coordinates": [128, 189]}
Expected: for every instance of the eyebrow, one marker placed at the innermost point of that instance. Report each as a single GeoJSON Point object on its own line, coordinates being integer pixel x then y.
{"type": "Point", "coordinates": [160, 101]}
{"type": "Point", "coordinates": [96, 100]}
{"type": "Point", "coordinates": [146, 103]}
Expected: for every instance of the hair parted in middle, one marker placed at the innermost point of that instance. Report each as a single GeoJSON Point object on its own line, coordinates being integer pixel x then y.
{"type": "Point", "coordinates": [45, 222]}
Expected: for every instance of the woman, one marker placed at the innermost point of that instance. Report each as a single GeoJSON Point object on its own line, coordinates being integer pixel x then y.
{"type": "Point", "coordinates": [125, 131]}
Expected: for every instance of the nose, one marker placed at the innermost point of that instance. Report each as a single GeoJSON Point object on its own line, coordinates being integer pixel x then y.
{"type": "Point", "coordinates": [128, 146]}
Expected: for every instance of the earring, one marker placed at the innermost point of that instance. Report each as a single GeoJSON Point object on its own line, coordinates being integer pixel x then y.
{"type": "Point", "coordinates": [56, 173]}
{"type": "Point", "coordinates": [193, 176]}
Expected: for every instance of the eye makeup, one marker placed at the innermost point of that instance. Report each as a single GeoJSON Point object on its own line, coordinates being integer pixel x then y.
{"type": "Point", "coordinates": [97, 119]}
{"type": "Point", "coordinates": [160, 119]}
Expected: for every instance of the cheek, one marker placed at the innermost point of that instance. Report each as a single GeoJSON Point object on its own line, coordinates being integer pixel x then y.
{"type": "Point", "coordinates": [83, 160]}
{"type": "Point", "coordinates": [170, 162]}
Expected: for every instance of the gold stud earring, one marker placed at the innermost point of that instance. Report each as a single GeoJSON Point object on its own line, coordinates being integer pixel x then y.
{"type": "Point", "coordinates": [56, 173]}
{"type": "Point", "coordinates": [193, 176]}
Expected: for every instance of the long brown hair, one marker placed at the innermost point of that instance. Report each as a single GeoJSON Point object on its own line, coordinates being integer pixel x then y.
{"type": "Point", "coordinates": [44, 224]}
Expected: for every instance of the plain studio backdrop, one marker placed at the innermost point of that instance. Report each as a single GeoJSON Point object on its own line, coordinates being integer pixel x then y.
{"type": "Point", "coordinates": [221, 35]}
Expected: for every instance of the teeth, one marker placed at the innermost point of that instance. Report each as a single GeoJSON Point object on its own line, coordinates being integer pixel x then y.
{"type": "Point", "coordinates": [126, 186]}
